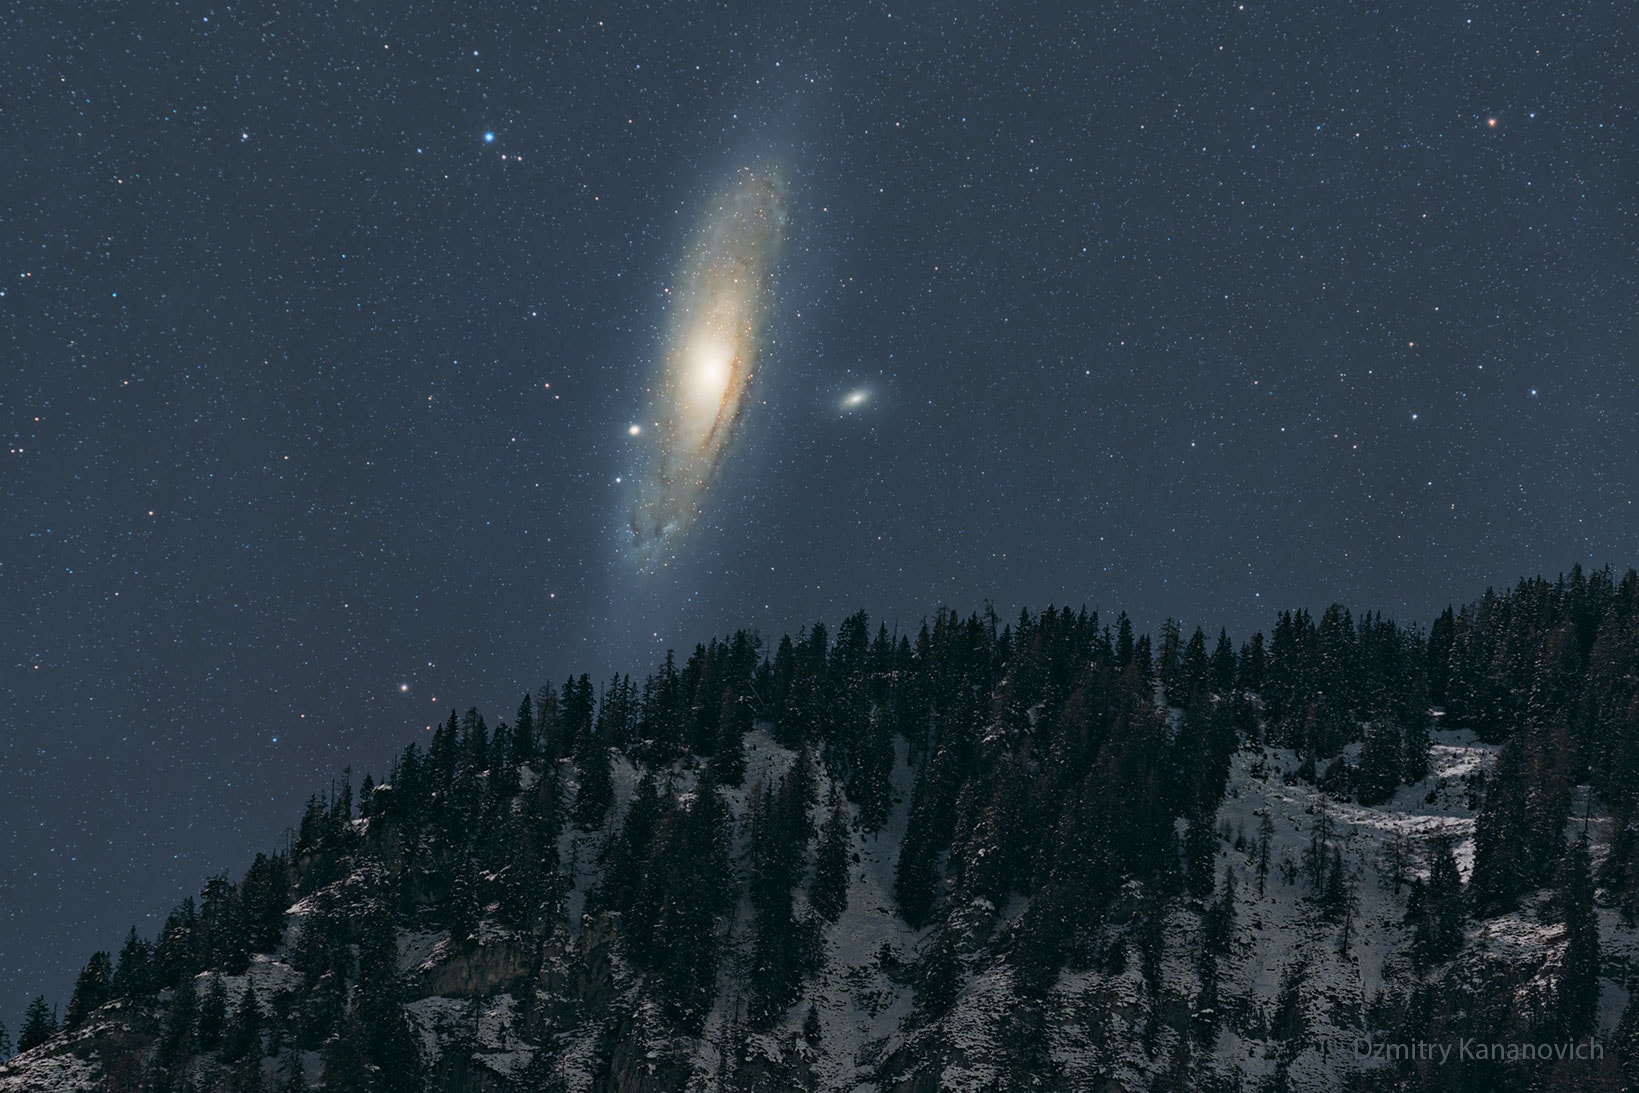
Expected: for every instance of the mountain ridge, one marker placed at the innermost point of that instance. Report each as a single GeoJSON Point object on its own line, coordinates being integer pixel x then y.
{"type": "Point", "coordinates": [1074, 863]}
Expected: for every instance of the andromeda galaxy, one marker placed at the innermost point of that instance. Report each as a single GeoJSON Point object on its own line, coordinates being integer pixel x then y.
{"type": "Point", "coordinates": [698, 399]}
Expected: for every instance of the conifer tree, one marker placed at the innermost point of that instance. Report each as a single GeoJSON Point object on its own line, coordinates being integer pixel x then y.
{"type": "Point", "coordinates": [367, 796]}
{"type": "Point", "coordinates": [176, 953]}
{"type": "Point", "coordinates": [1170, 659]}
{"type": "Point", "coordinates": [1141, 660]}
{"type": "Point", "coordinates": [1627, 1039]}
{"type": "Point", "coordinates": [1382, 759]}
{"type": "Point", "coordinates": [1394, 861]}
{"type": "Point", "coordinates": [1200, 853]}
{"type": "Point", "coordinates": [523, 731]}
{"type": "Point", "coordinates": [345, 1067]}
{"type": "Point", "coordinates": [1316, 856]}
{"type": "Point", "coordinates": [91, 990]}
{"type": "Point", "coordinates": [596, 769]}
{"type": "Point", "coordinates": [39, 1025]}
{"type": "Point", "coordinates": [527, 875]}
{"type": "Point", "coordinates": [706, 835]}
{"type": "Point", "coordinates": [177, 1037]}
{"type": "Point", "coordinates": [628, 850]}
{"type": "Point", "coordinates": [811, 1032]}
{"type": "Point", "coordinates": [574, 719]}
{"type": "Point", "coordinates": [1435, 910]}
{"type": "Point", "coordinates": [1218, 927]}
{"type": "Point", "coordinates": [546, 721]}
{"type": "Point", "coordinates": [1441, 638]}
{"type": "Point", "coordinates": [445, 751]}
{"type": "Point", "coordinates": [246, 1075]}
{"type": "Point", "coordinates": [1266, 831]}
{"type": "Point", "coordinates": [1502, 866]}
{"type": "Point", "coordinates": [915, 874]}
{"type": "Point", "coordinates": [1414, 748]}
{"type": "Point", "coordinates": [729, 760]}
{"type": "Point", "coordinates": [465, 904]}
{"type": "Point", "coordinates": [1289, 1024]}
{"type": "Point", "coordinates": [1336, 893]}
{"type": "Point", "coordinates": [387, 1044]}
{"type": "Point", "coordinates": [781, 945]}
{"type": "Point", "coordinates": [1194, 672]}
{"type": "Point", "coordinates": [213, 1015]}
{"type": "Point", "coordinates": [828, 892]}
{"type": "Point", "coordinates": [870, 779]}
{"type": "Point", "coordinates": [503, 774]}
{"type": "Point", "coordinates": [1579, 979]}
{"type": "Point", "coordinates": [683, 882]}
{"type": "Point", "coordinates": [1351, 906]}
{"type": "Point", "coordinates": [1249, 665]}
{"type": "Point", "coordinates": [1223, 664]}
{"type": "Point", "coordinates": [1123, 640]}
{"type": "Point", "coordinates": [133, 976]}
{"type": "Point", "coordinates": [295, 1074]}
{"type": "Point", "coordinates": [244, 1035]}
{"type": "Point", "coordinates": [1446, 887]}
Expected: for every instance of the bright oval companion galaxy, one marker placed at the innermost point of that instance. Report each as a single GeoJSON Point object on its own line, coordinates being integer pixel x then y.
{"type": "Point", "coordinates": [707, 360]}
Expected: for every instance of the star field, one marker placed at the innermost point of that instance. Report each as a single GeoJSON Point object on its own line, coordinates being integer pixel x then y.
{"type": "Point", "coordinates": [327, 333]}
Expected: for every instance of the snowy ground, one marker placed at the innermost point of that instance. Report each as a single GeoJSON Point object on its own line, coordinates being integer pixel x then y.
{"type": "Point", "coordinates": [1103, 1026]}
{"type": "Point", "coordinates": [860, 1008]}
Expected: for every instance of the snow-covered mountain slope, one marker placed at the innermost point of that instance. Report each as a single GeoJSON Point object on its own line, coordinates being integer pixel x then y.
{"type": "Point", "coordinates": [1298, 991]}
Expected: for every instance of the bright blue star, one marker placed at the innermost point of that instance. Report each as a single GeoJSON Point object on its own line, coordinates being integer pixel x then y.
{"type": "Point", "coordinates": [489, 138]}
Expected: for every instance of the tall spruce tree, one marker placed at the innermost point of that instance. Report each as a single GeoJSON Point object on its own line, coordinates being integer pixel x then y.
{"type": "Point", "coordinates": [1218, 924]}
{"type": "Point", "coordinates": [1223, 664]}
{"type": "Point", "coordinates": [213, 1015]}
{"type": "Point", "coordinates": [176, 1039]}
{"type": "Point", "coordinates": [1266, 832]}
{"type": "Point", "coordinates": [388, 1045]}
{"type": "Point", "coordinates": [244, 1034]}
{"type": "Point", "coordinates": [729, 760]}
{"type": "Point", "coordinates": [1337, 891]}
{"type": "Point", "coordinates": [1502, 860]}
{"type": "Point", "coordinates": [828, 891]}
{"type": "Point", "coordinates": [91, 990]}
{"type": "Point", "coordinates": [595, 767]}
{"type": "Point", "coordinates": [628, 850]}
{"type": "Point", "coordinates": [1579, 977]}
{"type": "Point", "coordinates": [39, 1025]}
{"type": "Point", "coordinates": [1382, 760]}
{"type": "Point", "coordinates": [295, 1074]}
{"type": "Point", "coordinates": [1435, 910]}
{"type": "Point", "coordinates": [523, 731]}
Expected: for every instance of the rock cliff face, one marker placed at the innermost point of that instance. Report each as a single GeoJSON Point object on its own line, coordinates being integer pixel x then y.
{"type": "Point", "coordinates": [1287, 993]}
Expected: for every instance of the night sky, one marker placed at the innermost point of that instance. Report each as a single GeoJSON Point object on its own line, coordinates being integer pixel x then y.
{"type": "Point", "coordinates": [324, 328]}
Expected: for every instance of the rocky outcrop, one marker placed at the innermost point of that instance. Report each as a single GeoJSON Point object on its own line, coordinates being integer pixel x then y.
{"type": "Point", "coordinates": [477, 967]}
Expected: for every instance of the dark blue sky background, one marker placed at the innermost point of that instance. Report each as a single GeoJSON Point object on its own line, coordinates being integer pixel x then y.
{"type": "Point", "coordinates": [314, 399]}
